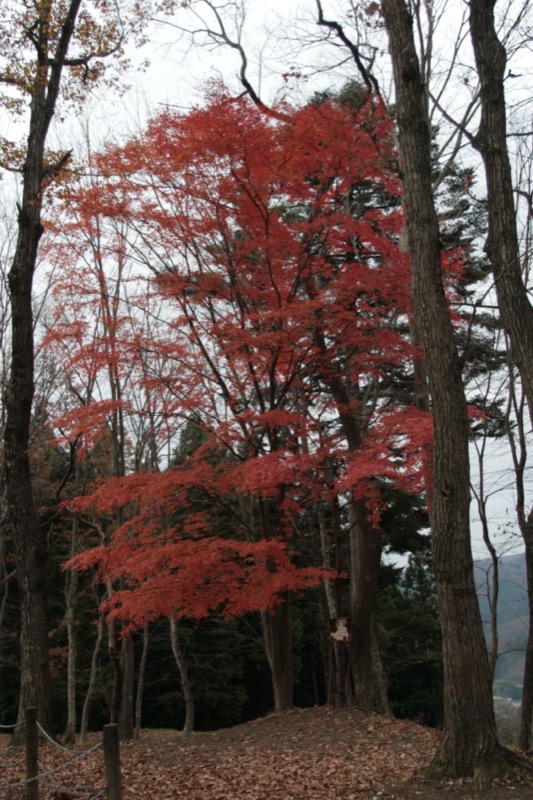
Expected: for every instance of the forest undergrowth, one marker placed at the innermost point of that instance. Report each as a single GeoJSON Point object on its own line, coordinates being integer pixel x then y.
{"type": "Point", "coordinates": [311, 754]}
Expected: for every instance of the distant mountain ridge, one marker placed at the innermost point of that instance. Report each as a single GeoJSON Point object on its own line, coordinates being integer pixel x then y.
{"type": "Point", "coordinates": [512, 619]}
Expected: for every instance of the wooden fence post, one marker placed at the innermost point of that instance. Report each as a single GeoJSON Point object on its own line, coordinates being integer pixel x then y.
{"type": "Point", "coordinates": [112, 762]}
{"type": "Point", "coordinates": [32, 755]}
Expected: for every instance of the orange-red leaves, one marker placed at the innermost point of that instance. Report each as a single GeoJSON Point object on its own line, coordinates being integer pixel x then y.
{"type": "Point", "coordinates": [194, 578]}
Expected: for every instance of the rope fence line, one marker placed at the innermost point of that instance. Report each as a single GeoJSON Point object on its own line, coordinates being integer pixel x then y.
{"type": "Point", "coordinates": [34, 769]}
{"type": "Point", "coordinates": [64, 749]}
{"type": "Point", "coordinates": [13, 727]}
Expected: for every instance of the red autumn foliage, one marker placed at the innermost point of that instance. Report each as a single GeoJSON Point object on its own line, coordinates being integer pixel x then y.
{"type": "Point", "coordinates": [271, 245]}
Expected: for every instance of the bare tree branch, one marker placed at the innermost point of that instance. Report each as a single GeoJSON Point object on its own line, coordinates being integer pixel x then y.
{"type": "Point", "coordinates": [369, 79]}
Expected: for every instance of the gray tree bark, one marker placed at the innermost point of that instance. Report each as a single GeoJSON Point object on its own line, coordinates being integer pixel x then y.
{"type": "Point", "coordinates": [469, 743]}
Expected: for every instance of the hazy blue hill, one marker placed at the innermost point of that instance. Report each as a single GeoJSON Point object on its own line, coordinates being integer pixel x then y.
{"type": "Point", "coordinates": [512, 620]}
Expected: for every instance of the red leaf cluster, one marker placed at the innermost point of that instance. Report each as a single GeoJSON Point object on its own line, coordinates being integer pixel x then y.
{"type": "Point", "coordinates": [266, 249]}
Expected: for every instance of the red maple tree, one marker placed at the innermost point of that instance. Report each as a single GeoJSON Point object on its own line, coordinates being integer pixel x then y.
{"type": "Point", "coordinates": [271, 242]}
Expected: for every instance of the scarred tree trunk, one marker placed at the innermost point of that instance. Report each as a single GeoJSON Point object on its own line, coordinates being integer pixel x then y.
{"type": "Point", "coordinates": [469, 741]}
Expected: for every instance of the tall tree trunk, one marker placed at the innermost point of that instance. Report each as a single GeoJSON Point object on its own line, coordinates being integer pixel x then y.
{"type": "Point", "coordinates": [469, 741]}
{"type": "Point", "coordinates": [30, 550]}
{"type": "Point", "coordinates": [29, 545]}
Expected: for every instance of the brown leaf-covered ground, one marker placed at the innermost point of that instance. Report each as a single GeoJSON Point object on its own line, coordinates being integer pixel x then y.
{"type": "Point", "coordinates": [311, 754]}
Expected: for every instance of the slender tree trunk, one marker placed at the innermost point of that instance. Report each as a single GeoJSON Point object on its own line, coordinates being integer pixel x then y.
{"type": "Point", "coordinates": [186, 685]}
{"type": "Point", "coordinates": [127, 658]}
{"type": "Point", "coordinates": [92, 679]}
{"type": "Point", "coordinates": [469, 741]}
{"type": "Point", "coordinates": [140, 683]}
{"type": "Point", "coordinates": [493, 591]}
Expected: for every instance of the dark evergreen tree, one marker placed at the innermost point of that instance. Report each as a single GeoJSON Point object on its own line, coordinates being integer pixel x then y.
{"type": "Point", "coordinates": [412, 646]}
